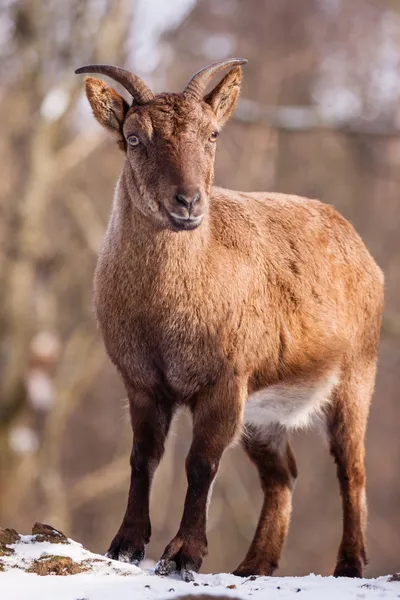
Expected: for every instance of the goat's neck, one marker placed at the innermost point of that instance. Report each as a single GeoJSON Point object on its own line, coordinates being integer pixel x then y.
{"type": "Point", "coordinates": [158, 248]}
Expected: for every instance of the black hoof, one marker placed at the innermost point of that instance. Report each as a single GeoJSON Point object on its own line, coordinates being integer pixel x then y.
{"type": "Point", "coordinates": [165, 567]}
{"type": "Point", "coordinates": [348, 569]}
{"type": "Point", "coordinates": [124, 550]}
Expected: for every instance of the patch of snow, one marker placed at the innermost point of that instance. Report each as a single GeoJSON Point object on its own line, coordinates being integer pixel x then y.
{"type": "Point", "coordinates": [45, 345]}
{"type": "Point", "coordinates": [23, 440]}
{"type": "Point", "coordinates": [40, 389]}
{"type": "Point", "coordinates": [54, 104]}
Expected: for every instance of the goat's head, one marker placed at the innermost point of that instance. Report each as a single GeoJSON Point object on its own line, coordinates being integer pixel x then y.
{"type": "Point", "coordinates": [169, 139]}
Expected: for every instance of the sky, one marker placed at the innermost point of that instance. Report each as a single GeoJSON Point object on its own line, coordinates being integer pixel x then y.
{"type": "Point", "coordinates": [153, 17]}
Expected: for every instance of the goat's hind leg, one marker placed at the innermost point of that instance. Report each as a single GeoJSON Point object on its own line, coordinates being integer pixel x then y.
{"type": "Point", "coordinates": [271, 453]}
{"type": "Point", "coordinates": [346, 425]}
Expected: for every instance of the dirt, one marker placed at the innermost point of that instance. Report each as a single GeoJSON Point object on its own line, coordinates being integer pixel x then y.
{"type": "Point", "coordinates": [58, 565]}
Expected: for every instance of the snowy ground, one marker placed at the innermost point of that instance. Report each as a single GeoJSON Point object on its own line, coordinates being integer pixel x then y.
{"type": "Point", "coordinates": [103, 579]}
{"type": "Point", "coordinates": [22, 586]}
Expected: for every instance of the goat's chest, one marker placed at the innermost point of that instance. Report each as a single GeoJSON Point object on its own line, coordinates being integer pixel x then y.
{"type": "Point", "coordinates": [159, 339]}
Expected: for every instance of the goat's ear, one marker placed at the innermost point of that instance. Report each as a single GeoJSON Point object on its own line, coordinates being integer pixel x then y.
{"type": "Point", "coordinates": [223, 97]}
{"type": "Point", "coordinates": [108, 107]}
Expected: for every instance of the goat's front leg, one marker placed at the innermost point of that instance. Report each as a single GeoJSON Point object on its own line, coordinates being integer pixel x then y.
{"type": "Point", "coordinates": [150, 424]}
{"type": "Point", "coordinates": [217, 417]}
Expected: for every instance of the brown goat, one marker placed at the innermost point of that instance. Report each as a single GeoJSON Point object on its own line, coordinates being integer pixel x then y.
{"type": "Point", "coordinates": [254, 310]}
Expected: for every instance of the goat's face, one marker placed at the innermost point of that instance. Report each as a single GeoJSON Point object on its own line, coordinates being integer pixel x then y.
{"type": "Point", "coordinates": [170, 152]}
{"type": "Point", "coordinates": [169, 139]}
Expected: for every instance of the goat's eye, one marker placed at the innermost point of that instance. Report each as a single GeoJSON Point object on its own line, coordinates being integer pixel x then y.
{"type": "Point", "coordinates": [213, 136]}
{"type": "Point", "coordinates": [133, 140]}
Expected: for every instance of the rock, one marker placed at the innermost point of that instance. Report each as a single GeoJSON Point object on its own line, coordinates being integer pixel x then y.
{"type": "Point", "coordinates": [47, 533]}
{"type": "Point", "coordinates": [8, 536]}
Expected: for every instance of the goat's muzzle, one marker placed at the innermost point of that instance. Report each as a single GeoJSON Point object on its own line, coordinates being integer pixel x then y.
{"type": "Point", "coordinates": [186, 208]}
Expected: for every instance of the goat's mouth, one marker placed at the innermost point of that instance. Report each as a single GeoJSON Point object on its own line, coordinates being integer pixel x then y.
{"type": "Point", "coordinates": [184, 223]}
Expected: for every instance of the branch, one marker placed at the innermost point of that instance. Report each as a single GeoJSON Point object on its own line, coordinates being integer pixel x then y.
{"type": "Point", "coordinates": [307, 118]}
{"type": "Point", "coordinates": [81, 147]}
{"type": "Point", "coordinates": [88, 219]}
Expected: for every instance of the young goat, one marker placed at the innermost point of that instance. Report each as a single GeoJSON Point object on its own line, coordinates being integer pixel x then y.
{"type": "Point", "coordinates": [254, 310]}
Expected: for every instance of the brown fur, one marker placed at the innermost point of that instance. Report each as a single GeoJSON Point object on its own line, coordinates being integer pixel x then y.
{"type": "Point", "coordinates": [268, 290]}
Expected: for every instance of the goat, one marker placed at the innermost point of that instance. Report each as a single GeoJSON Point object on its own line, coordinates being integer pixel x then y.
{"type": "Point", "coordinates": [253, 310]}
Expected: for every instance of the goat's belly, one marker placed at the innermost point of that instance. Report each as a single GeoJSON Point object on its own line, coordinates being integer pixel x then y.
{"type": "Point", "coordinates": [289, 405]}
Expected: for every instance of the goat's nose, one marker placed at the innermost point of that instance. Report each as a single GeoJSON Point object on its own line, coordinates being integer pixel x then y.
{"type": "Point", "coordinates": [187, 200]}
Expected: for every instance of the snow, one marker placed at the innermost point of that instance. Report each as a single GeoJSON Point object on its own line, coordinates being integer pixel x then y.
{"type": "Point", "coordinates": [146, 586]}
{"type": "Point", "coordinates": [109, 580]}
{"type": "Point", "coordinates": [28, 549]}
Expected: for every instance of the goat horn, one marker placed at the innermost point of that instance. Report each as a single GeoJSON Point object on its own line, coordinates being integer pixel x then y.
{"type": "Point", "coordinates": [199, 81]}
{"type": "Point", "coordinates": [131, 82]}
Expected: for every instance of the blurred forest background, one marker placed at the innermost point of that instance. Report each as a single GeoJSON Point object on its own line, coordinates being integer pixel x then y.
{"type": "Point", "coordinates": [319, 116]}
